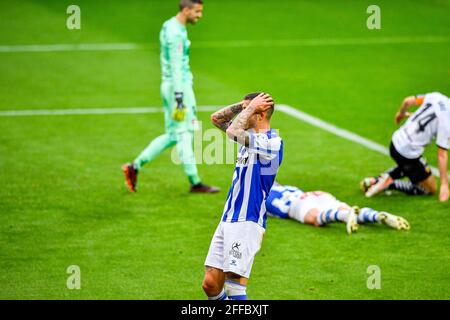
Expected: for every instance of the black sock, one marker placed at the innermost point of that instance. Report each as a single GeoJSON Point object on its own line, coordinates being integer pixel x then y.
{"type": "Point", "coordinates": [407, 187]}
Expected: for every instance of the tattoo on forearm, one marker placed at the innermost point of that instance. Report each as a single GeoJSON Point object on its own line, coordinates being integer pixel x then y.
{"type": "Point", "coordinates": [237, 128]}
{"type": "Point", "coordinates": [222, 118]}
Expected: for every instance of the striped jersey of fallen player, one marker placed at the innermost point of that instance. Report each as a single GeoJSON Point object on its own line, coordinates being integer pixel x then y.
{"type": "Point", "coordinates": [319, 208]}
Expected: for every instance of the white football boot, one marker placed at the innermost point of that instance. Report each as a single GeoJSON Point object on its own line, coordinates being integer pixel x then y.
{"type": "Point", "coordinates": [366, 183]}
{"type": "Point", "coordinates": [394, 221]}
{"type": "Point", "coordinates": [383, 182]}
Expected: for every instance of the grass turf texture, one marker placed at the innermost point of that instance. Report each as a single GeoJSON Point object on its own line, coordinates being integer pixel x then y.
{"type": "Point", "coordinates": [63, 201]}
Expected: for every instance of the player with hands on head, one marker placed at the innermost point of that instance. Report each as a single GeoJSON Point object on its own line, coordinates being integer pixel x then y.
{"type": "Point", "coordinates": [238, 236]}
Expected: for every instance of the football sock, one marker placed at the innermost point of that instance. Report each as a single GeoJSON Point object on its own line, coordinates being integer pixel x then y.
{"type": "Point", "coordinates": [155, 148]}
{"type": "Point", "coordinates": [187, 157]}
{"type": "Point", "coordinates": [332, 215]}
{"type": "Point", "coordinates": [184, 149]}
{"type": "Point", "coordinates": [395, 173]}
{"type": "Point", "coordinates": [407, 187]}
{"type": "Point", "coordinates": [236, 291]}
{"type": "Point", "coordinates": [368, 215]}
{"type": "Point", "coordinates": [194, 179]}
{"type": "Point", "coordinates": [221, 296]}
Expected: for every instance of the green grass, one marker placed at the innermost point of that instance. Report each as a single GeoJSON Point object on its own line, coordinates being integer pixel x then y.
{"type": "Point", "coordinates": [63, 201]}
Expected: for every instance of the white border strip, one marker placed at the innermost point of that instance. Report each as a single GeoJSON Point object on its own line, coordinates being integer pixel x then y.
{"type": "Point", "coordinates": [295, 113]}
{"type": "Point", "coordinates": [316, 42]}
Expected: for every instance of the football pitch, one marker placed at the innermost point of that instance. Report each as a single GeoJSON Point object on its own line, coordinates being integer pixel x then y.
{"type": "Point", "coordinates": [63, 201]}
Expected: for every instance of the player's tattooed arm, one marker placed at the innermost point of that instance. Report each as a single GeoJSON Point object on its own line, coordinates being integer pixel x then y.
{"type": "Point", "coordinates": [222, 118]}
{"type": "Point", "coordinates": [238, 128]}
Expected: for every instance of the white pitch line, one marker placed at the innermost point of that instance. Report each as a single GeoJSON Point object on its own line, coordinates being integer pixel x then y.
{"type": "Point", "coordinates": [89, 111]}
{"type": "Point", "coordinates": [226, 44]}
{"type": "Point", "coordinates": [348, 135]}
{"type": "Point", "coordinates": [316, 42]}
{"type": "Point", "coordinates": [295, 113]}
{"type": "Point", "coordinates": [70, 47]}
{"type": "Point", "coordinates": [333, 129]}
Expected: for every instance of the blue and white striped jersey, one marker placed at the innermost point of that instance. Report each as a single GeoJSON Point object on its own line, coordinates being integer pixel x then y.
{"type": "Point", "coordinates": [256, 168]}
{"type": "Point", "coordinates": [280, 200]}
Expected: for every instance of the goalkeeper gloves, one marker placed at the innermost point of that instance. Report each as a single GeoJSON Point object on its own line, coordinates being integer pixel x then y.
{"type": "Point", "coordinates": [180, 110]}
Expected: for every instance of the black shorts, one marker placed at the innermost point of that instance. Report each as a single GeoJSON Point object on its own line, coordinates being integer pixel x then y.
{"type": "Point", "coordinates": [416, 170]}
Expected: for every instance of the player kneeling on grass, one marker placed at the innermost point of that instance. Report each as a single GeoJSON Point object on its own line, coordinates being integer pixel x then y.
{"type": "Point", "coordinates": [319, 208]}
{"type": "Point", "coordinates": [239, 234]}
{"type": "Point", "coordinates": [430, 120]}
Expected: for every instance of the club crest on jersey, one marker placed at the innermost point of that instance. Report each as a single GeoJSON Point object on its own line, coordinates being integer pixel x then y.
{"type": "Point", "coordinates": [235, 250]}
{"type": "Point", "coordinates": [242, 158]}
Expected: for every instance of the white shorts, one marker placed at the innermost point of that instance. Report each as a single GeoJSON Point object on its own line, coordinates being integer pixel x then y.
{"type": "Point", "coordinates": [313, 200]}
{"type": "Point", "coordinates": [234, 246]}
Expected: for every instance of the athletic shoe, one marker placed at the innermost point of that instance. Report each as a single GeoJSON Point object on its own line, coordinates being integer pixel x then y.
{"type": "Point", "coordinates": [203, 188]}
{"type": "Point", "coordinates": [366, 183]}
{"type": "Point", "coordinates": [383, 182]}
{"type": "Point", "coordinates": [352, 220]}
{"type": "Point", "coordinates": [130, 176]}
{"type": "Point", "coordinates": [394, 221]}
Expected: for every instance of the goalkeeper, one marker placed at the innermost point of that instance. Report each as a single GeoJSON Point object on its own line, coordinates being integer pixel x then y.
{"type": "Point", "coordinates": [178, 99]}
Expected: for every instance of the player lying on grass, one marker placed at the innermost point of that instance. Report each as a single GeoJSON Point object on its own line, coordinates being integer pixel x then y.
{"type": "Point", "coordinates": [430, 120]}
{"type": "Point", "coordinates": [319, 208]}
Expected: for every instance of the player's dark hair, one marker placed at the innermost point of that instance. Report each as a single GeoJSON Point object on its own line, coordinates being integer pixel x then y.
{"type": "Point", "coordinates": [253, 95]}
{"type": "Point", "coordinates": [189, 3]}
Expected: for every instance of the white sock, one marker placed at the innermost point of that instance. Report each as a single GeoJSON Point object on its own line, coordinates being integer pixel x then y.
{"type": "Point", "coordinates": [236, 291]}
{"type": "Point", "coordinates": [221, 296]}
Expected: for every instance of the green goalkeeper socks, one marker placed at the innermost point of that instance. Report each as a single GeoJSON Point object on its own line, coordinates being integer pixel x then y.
{"type": "Point", "coordinates": [154, 149]}
{"type": "Point", "coordinates": [184, 148]}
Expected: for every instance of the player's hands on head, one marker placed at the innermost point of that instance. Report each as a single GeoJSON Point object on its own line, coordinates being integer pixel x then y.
{"type": "Point", "coordinates": [444, 193]}
{"type": "Point", "coordinates": [245, 103]}
{"type": "Point", "coordinates": [261, 102]}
